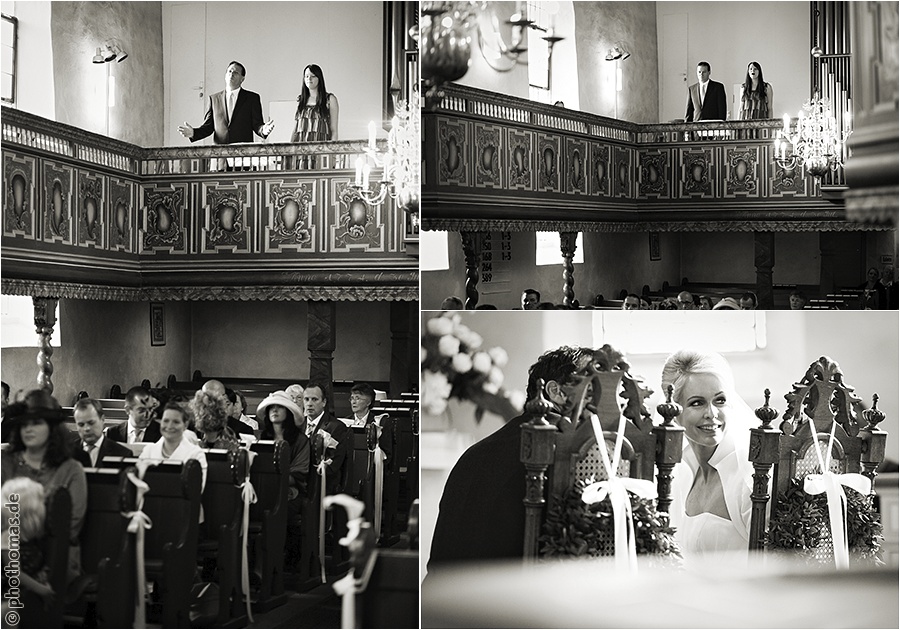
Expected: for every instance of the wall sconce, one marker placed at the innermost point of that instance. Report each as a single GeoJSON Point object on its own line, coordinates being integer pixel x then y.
{"type": "Point", "coordinates": [617, 52]}
{"type": "Point", "coordinates": [110, 50]}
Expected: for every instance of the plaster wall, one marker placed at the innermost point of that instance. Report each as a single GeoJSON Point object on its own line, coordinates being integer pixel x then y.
{"type": "Point", "coordinates": [729, 35]}
{"type": "Point", "coordinates": [598, 27]}
{"type": "Point", "coordinates": [34, 85]}
{"type": "Point", "coordinates": [135, 112]}
{"type": "Point", "coordinates": [275, 41]}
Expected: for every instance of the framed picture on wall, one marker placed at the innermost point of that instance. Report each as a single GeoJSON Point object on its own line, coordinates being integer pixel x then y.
{"type": "Point", "coordinates": [654, 246]}
{"type": "Point", "coordinates": [157, 324]}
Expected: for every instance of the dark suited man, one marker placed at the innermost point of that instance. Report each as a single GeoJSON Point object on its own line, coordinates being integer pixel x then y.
{"type": "Point", "coordinates": [481, 512]}
{"type": "Point", "coordinates": [232, 115]}
{"type": "Point", "coordinates": [318, 423]}
{"type": "Point", "coordinates": [706, 98]}
{"type": "Point", "coordinates": [140, 426]}
{"type": "Point", "coordinates": [92, 446]}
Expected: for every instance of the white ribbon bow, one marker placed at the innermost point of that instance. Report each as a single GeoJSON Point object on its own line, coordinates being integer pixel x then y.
{"type": "Point", "coordinates": [617, 489]}
{"type": "Point", "coordinates": [379, 475]}
{"type": "Point", "coordinates": [322, 469]}
{"type": "Point", "coordinates": [139, 522]}
{"type": "Point", "coordinates": [832, 485]}
{"type": "Point", "coordinates": [248, 494]}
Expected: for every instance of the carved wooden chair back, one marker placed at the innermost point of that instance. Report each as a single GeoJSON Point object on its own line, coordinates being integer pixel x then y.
{"type": "Point", "coordinates": [565, 449]}
{"type": "Point", "coordinates": [821, 402]}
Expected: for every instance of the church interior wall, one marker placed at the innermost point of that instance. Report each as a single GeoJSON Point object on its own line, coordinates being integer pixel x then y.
{"type": "Point", "coordinates": [598, 27]}
{"type": "Point", "coordinates": [107, 343]}
{"type": "Point", "coordinates": [729, 35]}
{"type": "Point", "coordinates": [80, 85]}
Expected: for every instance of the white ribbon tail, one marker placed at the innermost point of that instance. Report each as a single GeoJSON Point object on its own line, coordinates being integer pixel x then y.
{"type": "Point", "coordinates": [322, 467]}
{"type": "Point", "coordinates": [248, 494]}
{"type": "Point", "coordinates": [139, 523]}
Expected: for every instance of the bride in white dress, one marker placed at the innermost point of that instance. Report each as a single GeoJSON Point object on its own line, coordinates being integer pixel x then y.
{"type": "Point", "coordinates": [711, 488]}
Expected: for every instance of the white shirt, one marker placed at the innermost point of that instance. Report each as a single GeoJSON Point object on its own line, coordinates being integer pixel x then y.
{"type": "Point", "coordinates": [703, 87]}
{"type": "Point", "coordinates": [313, 423]}
{"type": "Point", "coordinates": [94, 450]}
{"type": "Point", "coordinates": [132, 432]}
{"type": "Point", "coordinates": [229, 109]}
{"type": "Point", "coordinates": [185, 451]}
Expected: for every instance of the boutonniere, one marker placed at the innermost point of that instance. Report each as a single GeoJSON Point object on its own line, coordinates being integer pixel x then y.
{"type": "Point", "coordinates": [327, 441]}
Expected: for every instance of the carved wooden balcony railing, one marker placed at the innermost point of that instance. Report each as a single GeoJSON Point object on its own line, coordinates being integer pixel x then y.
{"type": "Point", "coordinates": [88, 216]}
{"type": "Point", "coordinates": [494, 162]}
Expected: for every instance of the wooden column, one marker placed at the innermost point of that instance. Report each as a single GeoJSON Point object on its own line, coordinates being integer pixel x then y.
{"type": "Point", "coordinates": [321, 343]}
{"type": "Point", "coordinates": [471, 250]}
{"type": "Point", "coordinates": [873, 441]}
{"type": "Point", "coordinates": [669, 441]}
{"type": "Point", "coordinates": [567, 247]}
{"type": "Point", "coordinates": [765, 443]}
{"type": "Point", "coordinates": [44, 321]}
{"type": "Point", "coordinates": [536, 452]}
{"type": "Point", "coordinates": [400, 343]}
{"type": "Point", "coordinates": [764, 259]}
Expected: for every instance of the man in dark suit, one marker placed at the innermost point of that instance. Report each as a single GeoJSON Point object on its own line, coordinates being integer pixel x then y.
{"type": "Point", "coordinates": [706, 98]}
{"type": "Point", "coordinates": [92, 446]}
{"type": "Point", "coordinates": [482, 516]}
{"type": "Point", "coordinates": [232, 115]}
{"type": "Point", "coordinates": [140, 426]}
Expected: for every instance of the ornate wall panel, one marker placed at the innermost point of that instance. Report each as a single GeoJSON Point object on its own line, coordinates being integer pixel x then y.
{"type": "Point", "coordinates": [599, 170]}
{"type": "Point", "coordinates": [788, 182]}
{"type": "Point", "coordinates": [165, 220]}
{"type": "Point", "coordinates": [742, 172]}
{"type": "Point", "coordinates": [576, 166]}
{"type": "Point", "coordinates": [655, 174]}
{"type": "Point", "coordinates": [121, 216]}
{"type": "Point", "coordinates": [621, 172]}
{"type": "Point", "coordinates": [228, 213]}
{"type": "Point", "coordinates": [697, 173]}
{"type": "Point", "coordinates": [19, 218]}
{"type": "Point", "coordinates": [290, 223]}
{"type": "Point", "coordinates": [56, 203]}
{"type": "Point", "coordinates": [487, 156]}
{"type": "Point", "coordinates": [353, 224]}
{"type": "Point", "coordinates": [548, 163]}
{"type": "Point", "coordinates": [453, 145]}
{"type": "Point", "coordinates": [520, 159]}
{"type": "Point", "coordinates": [91, 209]}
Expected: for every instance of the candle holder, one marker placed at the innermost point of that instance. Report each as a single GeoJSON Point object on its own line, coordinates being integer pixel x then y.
{"type": "Point", "coordinates": [816, 143]}
{"type": "Point", "coordinates": [400, 163]}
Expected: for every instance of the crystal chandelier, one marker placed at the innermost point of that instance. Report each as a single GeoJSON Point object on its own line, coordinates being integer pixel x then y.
{"type": "Point", "coordinates": [816, 143]}
{"type": "Point", "coordinates": [400, 164]}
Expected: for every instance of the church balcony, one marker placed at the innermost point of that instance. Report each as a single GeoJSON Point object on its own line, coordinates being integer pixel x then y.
{"type": "Point", "coordinates": [86, 216]}
{"type": "Point", "coordinates": [499, 163]}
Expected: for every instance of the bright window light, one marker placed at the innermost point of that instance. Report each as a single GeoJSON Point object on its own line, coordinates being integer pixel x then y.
{"type": "Point", "coordinates": [433, 251]}
{"type": "Point", "coordinates": [17, 323]}
{"type": "Point", "coordinates": [716, 331]}
{"type": "Point", "coordinates": [547, 249]}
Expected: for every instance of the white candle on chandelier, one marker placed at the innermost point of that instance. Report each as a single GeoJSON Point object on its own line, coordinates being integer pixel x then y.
{"type": "Point", "coordinates": [787, 125]}
{"type": "Point", "coordinates": [359, 169]}
{"type": "Point", "coordinates": [365, 175]}
{"type": "Point", "coordinates": [372, 134]}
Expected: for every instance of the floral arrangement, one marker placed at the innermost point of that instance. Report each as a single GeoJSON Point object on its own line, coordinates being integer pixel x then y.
{"type": "Point", "coordinates": [454, 364]}
{"type": "Point", "coordinates": [575, 528]}
{"type": "Point", "coordinates": [799, 523]}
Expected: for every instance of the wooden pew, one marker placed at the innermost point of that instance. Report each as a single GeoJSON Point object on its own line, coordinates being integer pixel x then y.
{"type": "Point", "coordinates": [170, 545]}
{"type": "Point", "coordinates": [220, 543]}
{"type": "Point", "coordinates": [396, 488]}
{"type": "Point", "coordinates": [269, 474]}
{"type": "Point", "coordinates": [107, 551]}
{"type": "Point", "coordinates": [29, 607]}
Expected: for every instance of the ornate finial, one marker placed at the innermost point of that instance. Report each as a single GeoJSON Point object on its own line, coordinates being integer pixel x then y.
{"type": "Point", "coordinates": [874, 415]}
{"type": "Point", "coordinates": [670, 409]}
{"type": "Point", "coordinates": [766, 413]}
{"type": "Point", "coordinates": [539, 405]}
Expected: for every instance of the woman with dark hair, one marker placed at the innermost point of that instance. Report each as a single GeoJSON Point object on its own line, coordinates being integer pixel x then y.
{"type": "Point", "coordinates": [317, 112]}
{"type": "Point", "coordinates": [756, 95]}
{"type": "Point", "coordinates": [39, 449]}
{"type": "Point", "coordinates": [282, 420]}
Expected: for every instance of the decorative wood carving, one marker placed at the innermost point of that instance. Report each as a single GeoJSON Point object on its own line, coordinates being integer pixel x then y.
{"type": "Point", "coordinates": [452, 147]}
{"type": "Point", "coordinates": [764, 449]}
{"type": "Point", "coordinates": [164, 228]}
{"type": "Point", "coordinates": [18, 197]}
{"type": "Point", "coordinates": [356, 225]}
{"type": "Point", "coordinates": [697, 179]}
{"type": "Point", "coordinates": [669, 442]}
{"type": "Point", "coordinates": [487, 153]}
{"type": "Point", "coordinates": [741, 172]}
{"type": "Point", "coordinates": [599, 165]}
{"type": "Point", "coordinates": [226, 218]}
{"type": "Point", "coordinates": [548, 163]}
{"type": "Point", "coordinates": [746, 225]}
{"type": "Point", "coordinates": [91, 209]}
{"type": "Point", "coordinates": [290, 222]}
{"type": "Point", "coordinates": [654, 174]}
{"type": "Point", "coordinates": [576, 166]}
{"type": "Point", "coordinates": [44, 321]}
{"type": "Point", "coordinates": [321, 340]}
{"type": "Point", "coordinates": [622, 172]}
{"type": "Point", "coordinates": [788, 180]}
{"type": "Point", "coordinates": [57, 202]}
{"type": "Point", "coordinates": [567, 246]}
{"type": "Point", "coordinates": [520, 168]}
{"type": "Point", "coordinates": [471, 244]}
{"type": "Point", "coordinates": [536, 454]}
{"type": "Point", "coordinates": [121, 208]}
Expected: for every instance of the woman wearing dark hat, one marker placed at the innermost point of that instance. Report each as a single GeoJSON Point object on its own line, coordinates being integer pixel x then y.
{"type": "Point", "coordinates": [281, 419]}
{"type": "Point", "coordinates": [39, 450]}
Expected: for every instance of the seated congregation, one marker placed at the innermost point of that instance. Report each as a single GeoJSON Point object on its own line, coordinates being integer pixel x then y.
{"type": "Point", "coordinates": [713, 480]}
{"type": "Point", "coordinates": [176, 508]}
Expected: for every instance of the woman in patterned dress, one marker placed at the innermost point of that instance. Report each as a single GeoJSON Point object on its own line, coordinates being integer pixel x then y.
{"type": "Point", "coordinates": [756, 97]}
{"type": "Point", "coordinates": [317, 113]}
